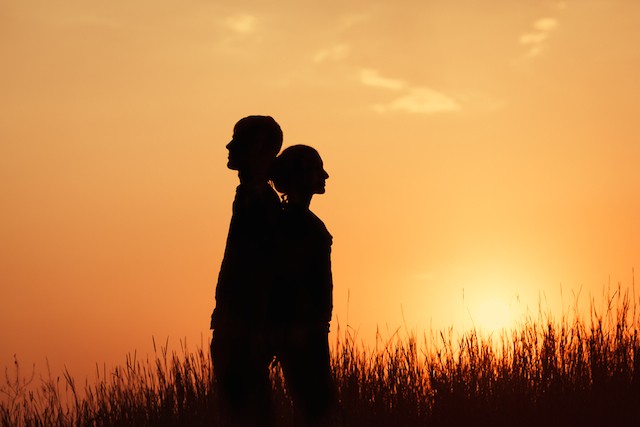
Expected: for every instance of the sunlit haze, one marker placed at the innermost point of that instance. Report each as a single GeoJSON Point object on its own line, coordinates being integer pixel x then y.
{"type": "Point", "coordinates": [484, 160]}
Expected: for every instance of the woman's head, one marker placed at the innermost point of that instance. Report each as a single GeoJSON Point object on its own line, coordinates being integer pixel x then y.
{"type": "Point", "coordinates": [298, 171]}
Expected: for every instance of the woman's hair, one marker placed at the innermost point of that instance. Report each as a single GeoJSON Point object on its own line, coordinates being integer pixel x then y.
{"type": "Point", "coordinates": [292, 166]}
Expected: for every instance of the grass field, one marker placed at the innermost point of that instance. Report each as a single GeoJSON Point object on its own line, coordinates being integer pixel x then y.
{"type": "Point", "coordinates": [545, 372]}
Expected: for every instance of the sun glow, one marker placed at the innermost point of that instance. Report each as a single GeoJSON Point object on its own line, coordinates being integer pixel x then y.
{"type": "Point", "coordinates": [492, 314]}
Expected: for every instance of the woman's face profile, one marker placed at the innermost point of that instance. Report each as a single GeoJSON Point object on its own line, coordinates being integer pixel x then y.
{"type": "Point", "coordinates": [317, 176]}
{"type": "Point", "coordinates": [299, 173]}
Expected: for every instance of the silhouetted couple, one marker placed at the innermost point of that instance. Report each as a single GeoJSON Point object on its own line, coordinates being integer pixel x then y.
{"type": "Point", "coordinates": [274, 291]}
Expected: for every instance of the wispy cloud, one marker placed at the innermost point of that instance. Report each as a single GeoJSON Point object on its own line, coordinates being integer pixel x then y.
{"type": "Point", "coordinates": [241, 24]}
{"type": "Point", "coordinates": [545, 24]}
{"type": "Point", "coordinates": [414, 99]}
{"type": "Point", "coordinates": [535, 39]}
{"type": "Point", "coordinates": [241, 36]}
{"type": "Point", "coordinates": [334, 53]}
{"type": "Point", "coordinates": [369, 77]}
{"type": "Point", "coordinates": [420, 100]}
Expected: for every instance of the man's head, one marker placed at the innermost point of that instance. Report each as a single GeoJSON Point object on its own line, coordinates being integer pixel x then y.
{"type": "Point", "coordinates": [256, 142]}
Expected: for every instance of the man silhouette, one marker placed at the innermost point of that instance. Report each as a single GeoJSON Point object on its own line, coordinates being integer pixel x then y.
{"type": "Point", "coordinates": [239, 347]}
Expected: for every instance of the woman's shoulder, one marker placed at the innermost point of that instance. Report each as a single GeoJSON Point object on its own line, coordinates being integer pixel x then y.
{"type": "Point", "coordinates": [315, 219]}
{"type": "Point", "coordinates": [305, 223]}
{"type": "Point", "coordinates": [320, 228]}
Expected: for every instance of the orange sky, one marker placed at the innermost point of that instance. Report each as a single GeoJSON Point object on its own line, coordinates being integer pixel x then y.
{"type": "Point", "coordinates": [489, 147]}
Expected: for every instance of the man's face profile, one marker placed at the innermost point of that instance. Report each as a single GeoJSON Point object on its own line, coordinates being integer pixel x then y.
{"type": "Point", "coordinates": [244, 149]}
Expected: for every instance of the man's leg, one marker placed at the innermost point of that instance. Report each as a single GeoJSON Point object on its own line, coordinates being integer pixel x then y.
{"type": "Point", "coordinates": [243, 385]}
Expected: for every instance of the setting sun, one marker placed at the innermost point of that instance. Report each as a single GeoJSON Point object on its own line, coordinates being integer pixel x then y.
{"type": "Point", "coordinates": [491, 314]}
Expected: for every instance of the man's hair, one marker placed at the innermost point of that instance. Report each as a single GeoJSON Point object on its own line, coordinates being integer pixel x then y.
{"type": "Point", "coordinates": [266, 127]}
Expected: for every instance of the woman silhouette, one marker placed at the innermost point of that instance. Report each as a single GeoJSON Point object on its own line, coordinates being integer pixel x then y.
{"type": "Point", "coordinates": [302, 298]}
